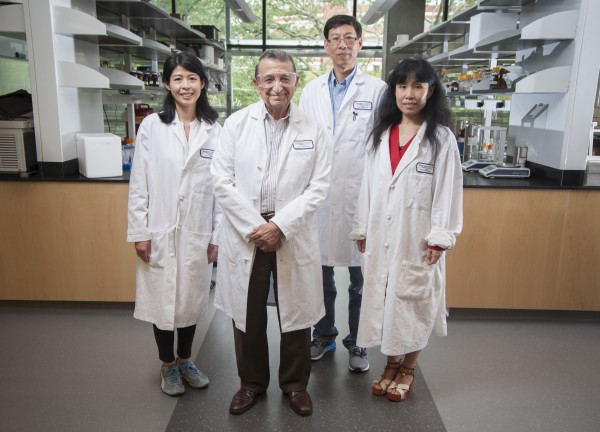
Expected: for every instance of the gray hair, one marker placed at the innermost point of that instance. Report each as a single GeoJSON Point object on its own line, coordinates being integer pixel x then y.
{"type": "Point", "coordinates": [275, 54]}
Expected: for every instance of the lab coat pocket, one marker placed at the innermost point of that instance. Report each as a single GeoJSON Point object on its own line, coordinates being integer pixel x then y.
{"type": "Point", "coordinates": [305, 251]}
{"type": "Point", "coordinates": [416, 281]}
{"type": "Point", "coordinates": [418, 191]}
{"type": "Point", "coordinates": [159, 249]}
{"type": "Point", "coordinates": [195, 252]}
{"type": "Point", "coordinates": [199, 217]}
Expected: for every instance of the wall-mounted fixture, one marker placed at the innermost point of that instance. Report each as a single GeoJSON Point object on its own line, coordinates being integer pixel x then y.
{"type": "Point", "coordinates": [242, 10]}
{"type": "Point", "coordinates": [377, 10]}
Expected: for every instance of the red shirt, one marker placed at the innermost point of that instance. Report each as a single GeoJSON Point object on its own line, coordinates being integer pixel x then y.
{"type": "Point", "coordinates": [395, 152]}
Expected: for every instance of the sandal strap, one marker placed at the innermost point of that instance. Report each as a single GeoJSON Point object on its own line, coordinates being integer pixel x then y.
{"type": "Point", "coordinates": [392, 365]}
{"type": "Point", "coordinates": [405, 370]}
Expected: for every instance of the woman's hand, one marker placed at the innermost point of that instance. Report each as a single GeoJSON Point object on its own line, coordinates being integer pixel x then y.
{"type": "Point", "coordinates": [361, 245]}
{"type": "Point", "coordinates": [212, 252]}
{"type": "Point", "coordinates": [432, 256]}
{"type": "Point", "coordinates": [143, 250]}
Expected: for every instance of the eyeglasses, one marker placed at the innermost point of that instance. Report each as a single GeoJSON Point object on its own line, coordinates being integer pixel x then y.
{"type": "Point", "coordinates": [348, 40]}
{"type": "Point", "coordinates": [268, 81]}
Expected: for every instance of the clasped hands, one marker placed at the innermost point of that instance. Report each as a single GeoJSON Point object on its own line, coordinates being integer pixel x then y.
{"type": "Point", "coordinates": [267, 237]}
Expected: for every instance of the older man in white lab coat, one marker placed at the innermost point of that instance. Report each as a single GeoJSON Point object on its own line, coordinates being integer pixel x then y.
{"type": "Point", "coordinates": [270, 173]}
{"type": "Point", "coordinates": [344, 101]}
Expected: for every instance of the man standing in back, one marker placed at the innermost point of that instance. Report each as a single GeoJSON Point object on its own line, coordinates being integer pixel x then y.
{"type": "Point", "coordinates": [343, 100]}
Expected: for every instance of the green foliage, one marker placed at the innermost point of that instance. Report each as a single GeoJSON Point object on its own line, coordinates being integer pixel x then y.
{"type": "Point", "coordinates": [301, 20]}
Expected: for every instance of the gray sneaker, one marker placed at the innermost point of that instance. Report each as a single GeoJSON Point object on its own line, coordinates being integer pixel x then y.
{"type": "Point", "coordinates": [170, 380]}
{"type": "Point", "coordinates": [319, 346]}
{"type": "Point", "coordinates": [192, 375]}
{"type": "Point", "coordinates": [358, 360]}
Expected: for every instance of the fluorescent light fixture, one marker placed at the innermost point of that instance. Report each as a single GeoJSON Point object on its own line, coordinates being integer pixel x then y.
{"type": "Point", "coordinates": [377, 10]}
{"type": "Point", "coordinates": [242, 10]}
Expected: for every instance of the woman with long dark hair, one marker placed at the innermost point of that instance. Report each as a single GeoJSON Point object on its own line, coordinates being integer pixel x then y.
{"type": "Point", "coordinates": [409, 212]}
{"type": "Point", "coordinates": [174, 218]}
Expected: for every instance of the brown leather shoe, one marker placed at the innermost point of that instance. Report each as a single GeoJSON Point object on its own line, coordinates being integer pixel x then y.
{"type": "Point", "coordinates": [300, 402]}
{"type": "Point", "coordinates": [243, 400]}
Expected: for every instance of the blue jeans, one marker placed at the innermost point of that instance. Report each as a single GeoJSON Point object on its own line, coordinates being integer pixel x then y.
{"type": "Point", "coordinates": [325, 328]}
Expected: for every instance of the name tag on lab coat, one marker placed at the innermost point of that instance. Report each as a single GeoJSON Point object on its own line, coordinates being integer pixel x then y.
{"type": "Point", "coordinates": [206, 153]}
{"type": "Point", "coordinates": [424, 168]}
{"type": "Point", "coordinates": [303, 145]}
{"type": "Point", "coordinates": [362, 105]}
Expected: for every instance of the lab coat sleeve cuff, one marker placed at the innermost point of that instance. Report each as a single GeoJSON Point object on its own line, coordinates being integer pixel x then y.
{"type": "Point", "coordinates": [138, 235]}
{"type": "Point", "coordinates": [358, 234]}
{"type": "Point", "coordinates": [441, 237]}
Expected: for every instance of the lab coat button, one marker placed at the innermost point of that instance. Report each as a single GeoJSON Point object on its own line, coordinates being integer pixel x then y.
{"type": "Point", "coordinates": [387, 245]}
{"type": "Point", "coordinates": [172, 254]}
{"type": "Point", "coordinates": [389, 217]}
{"type": "Point", "coordinates": [393, 186]}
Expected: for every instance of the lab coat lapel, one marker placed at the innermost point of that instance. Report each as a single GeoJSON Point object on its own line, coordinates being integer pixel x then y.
{"type": "Point", "coordinates": [258, 127]}
{"type": "Point", "coordinates": [412, 152]}
{"type": "Point", "coordinates": [289, 136]}
{"type": "Point", "coordinates": [351, 92]}
{"type": "Point", "coordinates": [198, 140]}
{"type": "Point", "coordinates": [177, 130]}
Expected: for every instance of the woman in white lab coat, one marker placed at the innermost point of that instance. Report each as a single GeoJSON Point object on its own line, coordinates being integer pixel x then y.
{"type": "Point", "coordinates": [174, 218]}
{"type": "Point", "coordinates": [409, 212]}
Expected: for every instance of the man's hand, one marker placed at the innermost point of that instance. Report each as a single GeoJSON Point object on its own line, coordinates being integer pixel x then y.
{"type": "Point", "coordinates": [267, 237]}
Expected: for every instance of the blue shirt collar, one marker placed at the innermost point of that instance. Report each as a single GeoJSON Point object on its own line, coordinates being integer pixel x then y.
{"type": "Point", "coordinates": [333, 81]}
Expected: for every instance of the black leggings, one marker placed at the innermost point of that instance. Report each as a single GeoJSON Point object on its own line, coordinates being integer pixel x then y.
{"type": "Point", "coordinates": [165, 339]}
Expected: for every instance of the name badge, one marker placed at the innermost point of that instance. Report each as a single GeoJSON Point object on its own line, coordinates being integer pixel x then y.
{"type": "Point", "coordinates": [424, 168]}
{"type": "Point", "coordinates": [363, 105]}
{"type": "Point", "coordinates": [303, 145]}
{"type": "Point", "coordinates": [206, 153]}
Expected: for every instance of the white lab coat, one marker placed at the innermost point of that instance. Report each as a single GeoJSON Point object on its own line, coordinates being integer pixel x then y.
{"type": "Point", "coordinates": [171, 203]}
{"type": "Point", "coordinates": [400, 215]}
{"type": "Point", "coordinates": [302, 184]}
{"type": "Point", "coordinates": [347, 155]}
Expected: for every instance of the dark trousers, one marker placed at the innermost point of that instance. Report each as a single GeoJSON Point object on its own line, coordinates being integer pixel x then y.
{"type": "Point", "coordinates": [252, 348]}
{"type": "Point", "coordinates": [165, 340]}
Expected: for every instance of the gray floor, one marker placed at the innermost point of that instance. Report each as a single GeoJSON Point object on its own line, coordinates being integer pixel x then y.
{"type": "Point", "coordinates": [92, 367]}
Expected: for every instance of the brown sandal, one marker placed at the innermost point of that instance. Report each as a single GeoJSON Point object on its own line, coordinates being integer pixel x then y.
{"type": "Point", "coordinates": [380, 385]}
{"type": "Point", "coordinates": [402, 390]}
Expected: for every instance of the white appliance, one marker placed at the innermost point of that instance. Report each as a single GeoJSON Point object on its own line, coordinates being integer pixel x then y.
{"type": "Point", "coordinates": [17, 147]}
{"type": "Point", "coordinates": [505, 171]}
{"type": "Point", "coordinates": [99, 155]}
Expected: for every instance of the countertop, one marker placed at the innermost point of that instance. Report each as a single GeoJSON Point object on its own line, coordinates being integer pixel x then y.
{"type": "Point", "coordinates": [470, 180]}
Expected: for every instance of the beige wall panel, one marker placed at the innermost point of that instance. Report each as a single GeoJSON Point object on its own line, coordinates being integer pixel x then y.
{"type": "Point", "coordinates": [29, 255]}
{"type": "Point", "coordinates": [96, 263]}
{"type": "Point", "coordinates": [526, 249]}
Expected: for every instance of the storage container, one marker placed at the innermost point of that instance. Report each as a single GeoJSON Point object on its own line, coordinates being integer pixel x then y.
{"type": "Point", "coordinates": [99, 155]}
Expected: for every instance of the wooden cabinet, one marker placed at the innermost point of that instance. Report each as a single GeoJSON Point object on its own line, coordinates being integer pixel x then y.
{"type": "Point", "coordinates": [65, 241]}
{"type": "Point", "coordinates": [520, 249]}
{"type": "Point", "coordinates": [527, 249]}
